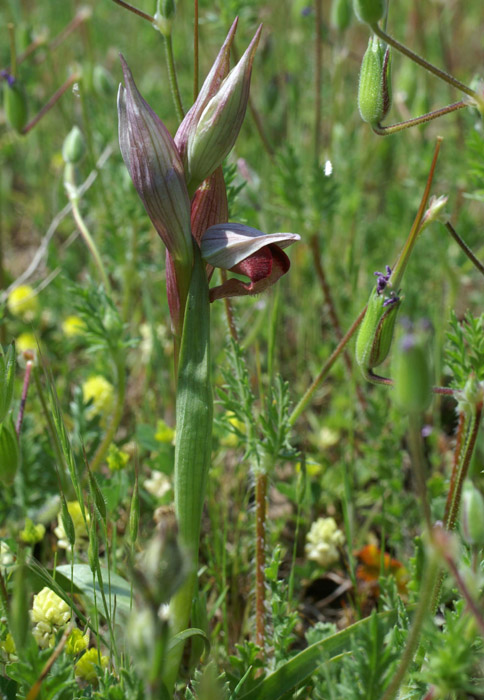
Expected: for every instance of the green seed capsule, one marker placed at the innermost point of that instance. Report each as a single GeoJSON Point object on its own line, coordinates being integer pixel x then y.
{"type": "Point", "coordinates": [411, 374]}
{"type": "Point", "coordinates": [15, 104]}
{"type": "Point", "coordinates": [9, 452]}
{"type": "Point", "coordinates": [472, 516]}
{"type": "Point", "coordinates": [73, 146]}
{"type": "Point", "coordinates": [341, 14]}
{"type": "Point", "coordinates": [369, 11]}
{"type": "Point", "coordinates": [376, 331]}
{"type": "Point", "coordinates": [374, 90]}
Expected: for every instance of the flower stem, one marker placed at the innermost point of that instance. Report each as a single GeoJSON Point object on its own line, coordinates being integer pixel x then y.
{"type": "Point", "coordinates": [117, 415]}
{"type": "Point", "coordinates": [170, 64]}
{"type": "Point", "coordinates": [455, 466]}
{"type": "Point", "coordinates": [48, 106]}
{"type": "Point", "coordinates": [414, 633]}
{"type": "Point", "coordinates": [422, 62]}
{"type": "Point", "coordinates": [464, 247]}
{"type": "Point", "coordinates": [429, 116]}
{"type": "Point", "coordinates": [135, 10]}
{"type": "Point", "coordinates": [260, 556]}
{"type": "Point", "coordinates": [323, 373]}
{"type": "Point", "coordinates": [73, 196]}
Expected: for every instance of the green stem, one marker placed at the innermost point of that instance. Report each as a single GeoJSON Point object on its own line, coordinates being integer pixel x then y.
{"type": "Point", "coordinates": [170, 64]}
{"type": "Point", "coordinates": [48, 106]}
{"type": "Point", "coordinates": [400, 126]}
{"type": "Point", "coordinates": [117, 415]}
{"type": "Point", "coordinates": [477, 263]}
{"type": "Point", "coordinates": [423, 63]}
{"type": "Point", "coordinates": [415, 631]}
{"type": "Point", "coordinates": [73, 196]}
{"type": "Point", "coordinates": [323, 373]}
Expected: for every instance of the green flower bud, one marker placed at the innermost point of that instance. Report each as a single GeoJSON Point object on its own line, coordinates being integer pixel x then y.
{"type": "Point", "coordinates": [472, 515]}
{"type": "Point", "coordinates": [15, 104]}
{"type": "Point", "coordinates": [102, 81]}
{"type": "Point", "coordinates": [73, 146]}
{"type": "Point", "coordinates": [164, 16]}
{"type": "Point", "coordinates": [341, 14]}
{"type": "Point", "coordinates": [374, 90]}
{"type": "Point", "coordinates": [411, 374]}
{"type": "Point", "coordinates": [7, 377]}
{"type": "Point", "coordinates": [369, 11]}
{"type": "Point", "coordinates": [376, 331]}
{"type": "Point", "coordinates": [9, 452]}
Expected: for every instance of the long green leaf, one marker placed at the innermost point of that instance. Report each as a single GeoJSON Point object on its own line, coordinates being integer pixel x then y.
{"type": "Point", "coordinates": [303, 665]}
{"type": "Point", "coordinates": [82, 576]}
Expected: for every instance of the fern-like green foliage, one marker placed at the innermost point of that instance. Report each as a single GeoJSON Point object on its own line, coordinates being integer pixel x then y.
{"type": "Point", "coordinates": [465, 349]}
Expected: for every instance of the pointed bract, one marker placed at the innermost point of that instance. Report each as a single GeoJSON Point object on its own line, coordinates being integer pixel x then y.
{"type": "Point", "coordinates": [210, 87]}
{"type": "Point", "coordinates": [154, 164]}
{"type": "Point", "coordinates": [219, 124]}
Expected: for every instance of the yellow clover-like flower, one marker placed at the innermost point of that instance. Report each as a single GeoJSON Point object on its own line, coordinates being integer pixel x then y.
{"type": "Point", "coordinates": [50, 613]}
{"type": "Point", "coordinates": [31, 534]}
{"type": "Point", "coordinates": [77, 642]}
{"type": "Point", "coordinates": [23, 302]}
{"type": "Point", "coordinates": [323, 540]}
{"type": "Point", "coordinates": [87, 666]}
{"type": "Point", "coordinates": [101, 392]}
{"type": "Point", "coordinates": [72, 326]}
{"type": "Point", "coordinates": [75, 512]}
{"type": "Point", "coordinates": [25, 342]}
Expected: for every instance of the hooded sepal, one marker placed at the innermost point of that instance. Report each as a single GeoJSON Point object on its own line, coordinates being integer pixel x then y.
{"type": "Point", "coordinates": [210, 87]}
{"type": "Point", "coordinates": [219, 124]}
{"type": "Point", "coordinates": [154, 164]}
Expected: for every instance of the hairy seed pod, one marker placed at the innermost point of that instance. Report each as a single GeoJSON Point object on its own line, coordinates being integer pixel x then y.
{"type": "Point", "coordinates": [369, 11]}
{"type": "Point", "coordinates": [15, 104]}
{"type": "Point", "coordinates": [376, 331]}
{"type": "Point", "coordinates": [411, 374]}
{"type": "Point", "coordinates": [341, 15]}
{"type": "Point", "coordinates": [374, 90]}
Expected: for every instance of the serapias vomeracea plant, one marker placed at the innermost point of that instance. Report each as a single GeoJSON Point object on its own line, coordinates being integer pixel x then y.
{"type": "Point", "coordinates": [180, 182]}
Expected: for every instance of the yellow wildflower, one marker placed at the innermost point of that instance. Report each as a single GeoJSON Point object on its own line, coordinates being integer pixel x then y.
{"type": "Point", "coordinates": [31, 534]}
{"type": "Point", "coordinates": [77, 642]}
{"type": "Point", "coordinates": [312, 468]}
{"type": "Point", "coordinates": [323, 540]}
{"type": "Point", "coordinates": [23, 302]}
{"type": "Point", "coordinates": [116, 459]}
{"type": "Point", "coordinates": [86, 667]}
{"type": "Point", "coordinates": [72, 326]}
{"type": "Point", "coordinates": [164, 433]}
{"type": "Point", "coordinates": [232, 438]}
{"type": "Point", "coordinates": [101, 392]}
{"type": "Point", "coordinates": [75, 512]}
{"type": "Point", "coordinates": [26, 341]}
{"type": "Point", "coordinates": [50, 613]}
{"type": "Point", "coordinates": [8, 647]}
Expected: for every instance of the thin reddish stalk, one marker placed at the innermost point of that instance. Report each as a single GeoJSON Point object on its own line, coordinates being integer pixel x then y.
{"type": "Point", "coordinates": [455, 466]}
{"type": "Point", "coordinates": [48, 106]}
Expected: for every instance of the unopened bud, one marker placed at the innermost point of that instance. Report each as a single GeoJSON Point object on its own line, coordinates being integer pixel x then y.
{"type": "Point", "coordinates": [341, 14]}
{"type": "Point", "coordinates": [369, 11]}
{"type": "Point", "coordinates": [15, 104]}
{"type": "Point", "coordinates": [374, 91]}
{"type": "Point", "coordinates": [472, 515]}
{"type": "Point", "coordinates": [102, 81]}
{"type": "Point", "coordinates": [73, 146]}
{"type": "Point", "coordinates": [411, 373]}
{"type": "Point", "coordinates": [164, 16]}
{"type": "Point", "coordinates": [7, 377]}
{"type": "Point", "coordinates": [9, 452]}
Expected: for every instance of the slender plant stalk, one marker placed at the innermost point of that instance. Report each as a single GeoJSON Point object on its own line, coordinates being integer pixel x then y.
{"type": "Point", "coordinates": [117, 415]}
{"type": "Point", "coordinates": [333, 316]}
{"type": "Point", "coordinates": [318, 74]}
{"type": "Point", "coordinates": [325, 369]}
{"type": "Point", "coordinates": [456, 462]}
{"type": "Point", "coordinates": [170, 64]}
{"type": "Point", "coordinates": [260, 556]}
{"type": "Point", "coordinates": [135, 10]}
{"type": "Point", "coordinates": [423, 63]}
{"type": "Point", "coordinates": [416, 629]}
{"type": "Point", "coordinates": [195, 50]}
{"type": "Point", "coordinates": [418, 462]}
{"type": "Point", "coordinates": [23, 399]}
{"type": "Point", "coordinates": [415, 121]}
{"type": "Point", "coordinates": [48, 106]}
{"type": "Point", "coordinates": [477, 263]}
{"type": "Point", "coordinates": [79, 19]}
